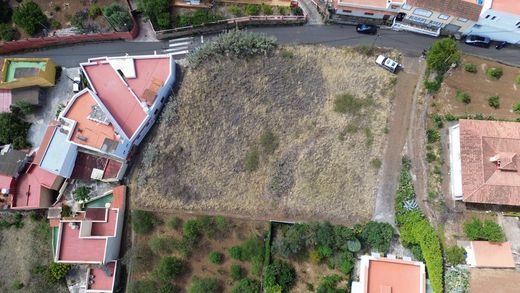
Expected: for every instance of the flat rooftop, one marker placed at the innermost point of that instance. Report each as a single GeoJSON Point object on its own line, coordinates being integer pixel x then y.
{"type": "Point", "coordinates": [75, 249]}
{"type": "Point", "coordinates": [19, 69]}
{"type": "Point", "coordinates": [100, 280]}
{"type": "Point", "coordinates": [507, 6]}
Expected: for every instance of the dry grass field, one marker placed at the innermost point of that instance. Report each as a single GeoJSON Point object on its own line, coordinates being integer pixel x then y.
{"type": "Point", "coordinates": [324, 164]}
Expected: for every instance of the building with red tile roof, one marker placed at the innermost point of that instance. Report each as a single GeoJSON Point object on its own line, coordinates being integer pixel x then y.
{"type": "Point", "coordinates": [485, 162]}
{"type": "Point", "coordinates": [372, 10]}
{"type": "Point", "coordinates": [385, 275]}
{"type": "Point", "coordinates": [36, 189]}
{"type": "Point", "coordinates": [484, 254]}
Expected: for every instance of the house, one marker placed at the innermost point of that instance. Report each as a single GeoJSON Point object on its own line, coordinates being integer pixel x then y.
{"type": "Point", "coordinates": [436, 17]}
{"type": "Point", "coordinates": [381, 274]}
{"type": "Point", "coordinates": [499, 20]}
{"type": "Point", "coordinates": [374, 11]}
{"type": "Point", "coordinates": [493, 280]}
{"type": "Point", "coordinates": [93, 238]}
{"type": "Point", "coordinates": [12, 164]}
{"type": "Point", "coordinates": [485, 162]}
{"type": "Point", "coordinates": [484, 254]}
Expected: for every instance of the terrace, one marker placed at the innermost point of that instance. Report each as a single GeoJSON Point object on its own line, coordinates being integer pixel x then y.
{"type": "Point", "coordinates": [101, 280]}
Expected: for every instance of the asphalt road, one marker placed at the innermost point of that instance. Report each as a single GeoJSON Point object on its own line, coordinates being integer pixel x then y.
{"type": "Point", "coordinates": [328, 35]}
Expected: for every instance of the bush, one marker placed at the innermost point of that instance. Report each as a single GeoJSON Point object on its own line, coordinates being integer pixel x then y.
{"type": "Point", "coordinates": [442, 54]}
{"type": "Point", "coordinates": [269, 141]}
{"type": "Point", "coordinates": [376, 163]}
{"type": "Point", "coordinates": [246, 286]}
{"type": "Point", "coordinates": [24, 107]}
{"type": "Point", "coordinates": [198, 17]}
{"type": "Point", "coordinates": [13, 130]}
{"type": "Point", "coordinates": [437, 119]}
{"type": "Point", "coordinates": [236, 272]}
{"type": "Point", "coordinates": [518, 80]}
{"type": "Point", "coordinates": [29, 17]}
{"type": "Point", "coordinates": [494, 73]}
{"type": "Point", "coordinates": [470, 67]}
{"type": "Point", "coordinates": [282, 10]}
{"type": "Point", "coordinates": [455, 255]}
{"type": "Point", "coordinates": [252, 249]}
{"type": "Point", "coordinates": [119, 17]}
{"type": "Point", "coordinates": [235, 10]}
{"type": "Point", "coordinates": [378, 235]}
{"type": "Point", "coordinates": [173, 223]}
{"type": "Point", "coordinates": [329, 284]}
{"type": "Point", "coordinates": [297, 10]}
{"type": "Point", "coordinates": [235, 252]}
{"type": "Point", "coordinates": [252, 9]}
{"type": "Point", "coordinates": [168, 268]}
{"type": "Point", "coordinates": [55, 24]}
{"type": "Point", "coordinates": [58, 271]}
{"type": "Point", "coordinates": [82, 193]}
{"type": "Point", "coordinates": [432, 135]}
{"type": "Point", "coordinates": [167, 288]}
{"type": "Point", "coordinates": [251, 160]}
{"type": "Point", "coordinates": [347, 103]}
{"type": "Point", "coordinates": [94, 11]}
{"type": "Point", "coordinates": [192, 230]}
{"type": "Point", "coordinates": [216, 257]}
{"type": "Point", "coordinates": [457, 280]}
{"type": "Point", "coordinates": [161, 245]}
{"type": "Point", "coordinates": [143, 222]}
{"type": "Point", "coordinates": [434, 85]}
{"type": "Point", "coordinates": [7, 32]}
{"type": "Point", "coordinates": [221, 223]}
{"type": "Point", "coordinates": [266, 9]}
{"type": "Point", "coordinates": [463, 97]}
{"type": "Point", "coordinates": [151, 9]}
{"type": "Point", "coordinates": [235, 43]}
{"type": "Point", "coordinates": [204, 285]}
{"type": "Point", "coordinates": [17, 285]}
{"type": "Point", "coordinates": [494, 102]}
{"type": "Point", "coordinates": [280, 273]}
{"type": "Point", "coordinates": [487, 230]}
{"type": "Point", "coordinates": [516, 108]}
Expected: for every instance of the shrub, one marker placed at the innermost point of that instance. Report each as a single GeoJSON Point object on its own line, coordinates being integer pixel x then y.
{"type": "Point", "coordinates": [269, 141]}
{"type": "Point", "coordinates": [251, 160]}
{"type": "Point", "coordinates": [82, 193]}
{"type": "Point", "coordinates": [518, 80]}
{"type": "Point", "coordinates": [235, 43]}
{"type": "Point", "coordinates": [253, 248]}
{"type": "Point", "coordinates": [58, 271]}
{"type": "Point", "coordinates": [17, 285]}
{"type": "Point", "coordinates": [221, 223]}
{"type": "Point", "coordinates": [29, 17]}
{"type": "Point", "coordinates": [432, 135]}
{"type": "Point", "coordinates": [252, 9]}
{"type": "Point", "coordinates": [94, 11]}
{"type": "Point", "coordinates": [151, 9]}
{"type": "Point", "coordinates": [434, 85]}
{"type": "Point", "coordinates": [347, 103]}
{"type": "Point", "coordinates": [204, 285]}
{"type": "Point", "coordinates": [325, 251]}
{"type": "Point", "coordinates": [378, 235]}
{"type": "Point", "coordinates": [470, 67]}
{"type": "Point", "coordinates": [13, 130]}
{"type": "Point", "coordinates": [168, 268]}
{"type": "Point", "coordinates": [487, 230]}
{"type": "Point", "coordinates": [55, 24]}
{"type": "Point", "coordinates": [235, 252]}
{"type": "Point", "coordinates": [173, 223]}
{"type": "Point", "coordinates": [430, 157]}
{"type": "Point", "coordinates": [494, 102]}
{"type": "Point", "coordinates": [192, 230]}
{"type": "Point", "coordinates": [516, 108]}
{"type": "Point", "coordinates": [346, 266]}
{"type": "Point", "coordinates": [280, 273]}
{"type": "Point", "coordinates": [246, 286]}
{"type": "Point", "coordinates": [463, 97]}
{"type": "Point", "coordinates": [236, 272]}
{"type": "Point", "coordinates": [329, 284]}
{"type": "Point", "coordinates": [266, 9]}
{"type": "Point", "coordinates": [160, 245]}
{"type": "Point", "coordinates": [235, 10]}
{"type": "Point", "coordinates": [297, 10]}
{"type": "Point", "coordinates": [167, 288]}
{"type": "Point", "coordinates": [437, 119]}
{"type": "Point", "coordinates": [457, 280]}
{"type": "Point", "coordinates": [455, 255]}
{"type": "Point", "coordinates": [376, 163]}
{"type": "Point", "coordinates": [7, 32]}
{"type": "Point", "coordinates": [119, 17]}
{"type": "Point", "coordinates": [442, 54]}
{"type": "Point", "coordinates": [198, 17]}
{"type": "Point", "coordinates": [143, 222]}
{"type": "Point", "coordinates": [282, 10]}
{"type": "Point", "coordinates": [216, 257]}
{"type": "Point", "coordinates": [494, 73]}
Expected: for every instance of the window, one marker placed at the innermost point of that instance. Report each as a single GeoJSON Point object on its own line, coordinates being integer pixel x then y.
{"type": "Point", "coordinates": [422, 12]}
{"type": "Point", "coordinates": [487, 16]}
{"type": "Point", "coordinates": [436, 23]}
{"type": "Point", "coordinates": [406, 7]}
{"type": "Point", "coordinates": [493, 18]}
{"type": "Point", "coordinates": [162, 100]}
{"type": "Point", "coordinates": [462, 19]}
{"type": "Point", "coordinates": [347, 11]}
{"type": "Point", "coordinates": [155, 112]}
{"type": "Point", "coordinates": [368, 13]}
{"type": "Point", "coordinates": [444, 16]}
{"type": "Point", "coordinates": [477, 26]}
{"type": "Point", "coordinates": [417, 19]}
{"type": "Point", "coordinates": [518, 23]}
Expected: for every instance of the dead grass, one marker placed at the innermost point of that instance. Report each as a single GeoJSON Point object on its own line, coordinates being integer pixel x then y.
{"type": "Point", "coordinates": [197, 162]}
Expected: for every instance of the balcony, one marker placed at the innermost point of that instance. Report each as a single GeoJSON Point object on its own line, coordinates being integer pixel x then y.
{"type": "Point", "coordinates": [407, 25]}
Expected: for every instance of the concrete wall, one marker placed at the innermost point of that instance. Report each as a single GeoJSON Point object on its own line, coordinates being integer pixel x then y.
{"type": "Point", "coordinates": [497, 26]}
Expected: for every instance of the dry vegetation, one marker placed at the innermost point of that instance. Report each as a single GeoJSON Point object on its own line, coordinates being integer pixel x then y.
{"type": "Point", "coordinates": [194, 159]}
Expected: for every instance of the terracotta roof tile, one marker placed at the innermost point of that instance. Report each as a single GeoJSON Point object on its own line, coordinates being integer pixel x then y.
{"type": "Point", "coordinates": [459, 8]}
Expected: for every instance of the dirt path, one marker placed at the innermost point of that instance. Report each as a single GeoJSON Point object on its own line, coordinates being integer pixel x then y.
{"type": "Point", "coordinates": [407, 83]}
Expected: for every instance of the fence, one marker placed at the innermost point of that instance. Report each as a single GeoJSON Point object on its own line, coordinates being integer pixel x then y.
{"type": "Point", "coordinates": [32, 43]}
{"type": "Point", "coordinates": [238, 22]}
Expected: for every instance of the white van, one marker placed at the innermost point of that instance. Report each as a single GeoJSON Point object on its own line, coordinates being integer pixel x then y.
{"type": "Point", "coordinates": [387, 63]}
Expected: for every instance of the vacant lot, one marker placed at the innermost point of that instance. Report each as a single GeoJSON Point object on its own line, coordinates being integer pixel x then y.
{"type": "Point", "coordinates": [479, 87]}
{"type": "Point", "coordinates": [275, 117]}
{"type": "Point", "coordinates": [22, 250]}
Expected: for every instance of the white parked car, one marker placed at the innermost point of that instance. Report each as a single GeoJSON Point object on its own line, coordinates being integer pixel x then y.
{"type": "Point", "coordinates": [387, 63]}
{"type": "Point", "coordinates": [75, 84]}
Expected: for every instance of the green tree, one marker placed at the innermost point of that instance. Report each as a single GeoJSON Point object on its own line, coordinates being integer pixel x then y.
{"type": "Point", "coordinates": [81, 193]}
{"type": "Point", "coordinates": [216, 257]}
{"type": "Point", "coordinates": [487, 230]}
{"type": "Point", "coordinates": [246, 286]}
{"type": "Point", "coordinates": [143, 222]}
{"type": "Point", "coordinates": [236, 272]}
{"type": "Point", "coordinates": [13, 130]}
{"type": "Point", "coordinates": [235, 252]}
{"type": "Point", "coordinates": [58, 271]}
{"type": "Point", "coordinates": [118, 17]}
{"type": "Point", "coordinates": [442, 54]}
{"type": "Point", "coordinates": [280, 273]}
{"type": "Point", "coordinates": [378, 235]}
{"type": "Point", "coordinates": [7, 32]}
{"type": "Point", "coordinates": [204, 285]}
{"type": "Point", "coordinates": [30, 17]}
{"type": "Point", "coordinates": [168, 268]}
{"type": "Point", "coordinates": [494, 73]}
{"type": "Point", "coordinates": [153, 9]}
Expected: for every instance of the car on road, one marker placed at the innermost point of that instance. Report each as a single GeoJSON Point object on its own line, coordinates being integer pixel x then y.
{"type": "Point", "coordinates": [363, 28]}
{"type": "Point", "coordinates": [387, 63]}
{"type": "Point", "coordinates": [479, 41]}
{"type": "Point", "coordinates": [76, 84]}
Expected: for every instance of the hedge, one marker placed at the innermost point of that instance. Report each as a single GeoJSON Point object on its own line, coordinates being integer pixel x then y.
{"type": "Point", "coordinates": [416, 230]}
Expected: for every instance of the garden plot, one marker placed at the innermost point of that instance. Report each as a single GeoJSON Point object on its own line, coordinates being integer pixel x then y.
{"type": "Point", "coordinates": [479, 88]}
{"type": "Point", "coordinates": [298, 134]}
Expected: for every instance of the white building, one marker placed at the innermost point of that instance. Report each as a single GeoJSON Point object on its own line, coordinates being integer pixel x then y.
{"type": "Point", "coordinates": [499, 20]}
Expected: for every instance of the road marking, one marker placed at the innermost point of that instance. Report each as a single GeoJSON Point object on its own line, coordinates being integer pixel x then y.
{"type": "Point", "coordinates": [171, 45]}
{"type": "Point", "coordinates": [181, 49]}
{"type": "Point", "coordinates": [180, 52]}
{"type": "Point", "coordinates": [181, 39]}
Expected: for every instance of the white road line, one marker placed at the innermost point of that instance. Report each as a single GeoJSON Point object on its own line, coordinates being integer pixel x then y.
{"type": "Point", "coordinates": [185, 48]}
{"type": "Point", "coordinates": [179, 53]}
{"type": "Point", "coordinates": [178, 44]}
{"type": "Point", "coordinates": [181, 39]}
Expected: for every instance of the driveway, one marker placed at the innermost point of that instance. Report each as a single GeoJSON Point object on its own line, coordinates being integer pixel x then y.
{"type": "Point", "coordinates": [511, 227]}
{"type": "Point", "coordinates": [408, 80]}
{"type": "Point", "coordinates": [55, 95]}
{"type": "Point", "coordinates": [313, 16]}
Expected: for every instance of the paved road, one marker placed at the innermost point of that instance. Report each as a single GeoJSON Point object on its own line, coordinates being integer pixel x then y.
{"type": "Point", "coordinates": [329, 35]}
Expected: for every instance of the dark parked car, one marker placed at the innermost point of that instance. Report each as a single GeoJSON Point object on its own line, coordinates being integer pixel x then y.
{"type": "Point", "coordinates": [366, 29]}
{"type": "Point", "coordinates": [478, 41]}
